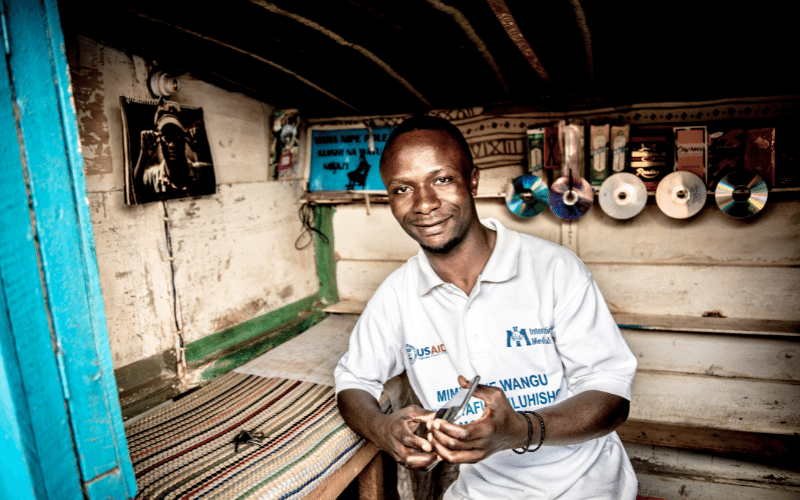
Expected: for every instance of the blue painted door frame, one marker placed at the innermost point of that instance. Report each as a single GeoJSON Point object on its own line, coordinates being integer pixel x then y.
{"type": "Point", "coordinates": [62, 433]}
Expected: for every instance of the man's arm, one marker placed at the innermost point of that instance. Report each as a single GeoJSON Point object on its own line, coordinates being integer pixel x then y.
{"type": "Point", "coordinates": [393, 433]}
{"type": "Point", "coordinates": [587, 415]}
{"type": "Point", "coordinates": [148, 144]}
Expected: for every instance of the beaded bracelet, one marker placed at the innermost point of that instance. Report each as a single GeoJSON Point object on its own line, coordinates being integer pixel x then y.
{"type": "Point", "coordinates": [530, 433]}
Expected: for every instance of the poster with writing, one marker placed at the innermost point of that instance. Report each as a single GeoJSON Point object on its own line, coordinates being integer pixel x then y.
{"type": "Point", "coordinates": [341, 159]}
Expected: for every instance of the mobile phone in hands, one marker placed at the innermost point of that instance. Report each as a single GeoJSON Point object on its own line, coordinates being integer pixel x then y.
{"type": "Point", "coordinates": [451, 410]}
{"type": "Point", "coordinates": [454, 407]}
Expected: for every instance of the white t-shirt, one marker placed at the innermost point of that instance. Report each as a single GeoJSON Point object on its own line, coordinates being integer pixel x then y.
{"type": "Point", "coordinates": [535, 325]}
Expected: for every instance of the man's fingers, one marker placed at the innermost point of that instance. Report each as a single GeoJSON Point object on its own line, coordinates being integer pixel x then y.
{"type": "Point", "coordinates": [458, 456]}
{"type": "Point", "coordinates": [455, 438]}
{"type": "Point", "coordinates": [451, 430]}
{"type": "Point", "coordinates": [419, 460]}
{"type": "Point", "coordinates": [416, 442]}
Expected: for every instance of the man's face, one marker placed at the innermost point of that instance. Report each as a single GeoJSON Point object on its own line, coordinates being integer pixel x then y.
{"type": "Point", "coordinates": [173, 144]}
{"type": "Point", "coordinates": [430, 184]}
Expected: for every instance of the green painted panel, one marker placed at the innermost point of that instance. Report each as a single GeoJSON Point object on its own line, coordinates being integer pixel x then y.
{"type": "Point", "coordinates": [242, 332]}
{"type": "Point", "coordinates": [326, 263]}
{"type": "Point", "coordinates": [264, 343]}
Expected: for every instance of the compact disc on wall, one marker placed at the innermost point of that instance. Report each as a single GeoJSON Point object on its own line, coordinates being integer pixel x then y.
{"type": "Point", "coordinates": [741, 194]}
{"type": "Point", "coordinates": [527, 195]}
{"type": "Point", "coordinates": [622, 196]}
{"type": "Point", "coordinates": [681, 194]}
{"type": "Point", "coordinates": [571, 197]}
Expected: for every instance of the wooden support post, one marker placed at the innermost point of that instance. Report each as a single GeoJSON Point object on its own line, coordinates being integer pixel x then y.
{"type": "Point", "coordinates": [333, 485]}
{"type": "Point", "coordinates": [370, 480]}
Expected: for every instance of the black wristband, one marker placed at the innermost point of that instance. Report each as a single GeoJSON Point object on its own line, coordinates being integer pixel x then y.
{"type": "Point", "coordinates": [530, 435]}
{"type": "Point", "coordinates": [541, 437]}
{"type": "Point", "coordinates": [527, 447]}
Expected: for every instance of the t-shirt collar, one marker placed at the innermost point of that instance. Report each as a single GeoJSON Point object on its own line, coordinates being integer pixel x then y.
{"type": "Point", "coordinates": [502, 264]}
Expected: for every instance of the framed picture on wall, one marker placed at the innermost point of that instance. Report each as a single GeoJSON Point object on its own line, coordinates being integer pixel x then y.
{"type": "Point", "coordinates": [285, 149]}
{"type": "Point", "coordinates": [167, 154]}
{"type": "Point", "coordinates": [340, 158]}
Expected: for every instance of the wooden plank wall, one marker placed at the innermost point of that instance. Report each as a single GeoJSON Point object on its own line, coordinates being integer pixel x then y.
{"type": "Point", "coordinates": [234, 252]}
{"type": "Point", "coordinates": [650, 265]}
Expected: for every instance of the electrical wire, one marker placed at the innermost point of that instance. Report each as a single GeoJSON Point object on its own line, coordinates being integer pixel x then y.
{"type": "Point", "coordinates": [306, 214]}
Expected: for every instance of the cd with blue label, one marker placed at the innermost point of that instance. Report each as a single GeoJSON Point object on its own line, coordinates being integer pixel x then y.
{"type": "Point", "coordinates": [741, 194]}
{"type": "Point", "coordinates": [527, 195]}
{"type": "Point", "coordinates": [571, 197]}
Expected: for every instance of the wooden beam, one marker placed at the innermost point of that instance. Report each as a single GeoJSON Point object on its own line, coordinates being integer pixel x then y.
{"type": "Point", "coordinates": [503, 14]}
{"type": "Point", "coordinates": [708, 439]}
{"type": "Point", "coordinates": [370, 481]}
{"type": "Point", "coordinates": [334, 484]}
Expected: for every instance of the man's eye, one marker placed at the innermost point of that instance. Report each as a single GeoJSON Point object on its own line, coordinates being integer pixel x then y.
{"type": "Point", "coordinates": [443, 180]}
{"type": "Point", "coordinates": [401, 189]}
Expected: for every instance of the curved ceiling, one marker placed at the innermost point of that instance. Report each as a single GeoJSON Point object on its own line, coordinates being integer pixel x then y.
{"type": "Point", "coordinates": [359, 57]}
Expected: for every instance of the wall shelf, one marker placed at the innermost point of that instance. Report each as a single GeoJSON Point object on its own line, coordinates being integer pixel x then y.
{"type": "Point", "coordinates": [688, 324]}
{"type": "Point", "coordinates": [348, 197]}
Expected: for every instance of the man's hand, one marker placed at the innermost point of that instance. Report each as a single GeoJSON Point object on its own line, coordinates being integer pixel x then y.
{"type": "Point", "coordinates": [149, 143]}
{"type": "Point", "coordinates": [393, 433]}
{"type": "Point", "coordinates": [584, 416]}
{"type": "Point", "coordinates": [400, 435]}
{"type": "Point", "coordinates": [499, 428]}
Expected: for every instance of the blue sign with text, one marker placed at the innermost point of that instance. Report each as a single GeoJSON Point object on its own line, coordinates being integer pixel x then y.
{"type": "Point", "coordinates": [341, 159]}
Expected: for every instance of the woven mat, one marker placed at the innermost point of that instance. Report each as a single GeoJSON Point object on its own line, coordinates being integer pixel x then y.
{"type": "Point", "coordinates": [185, 450]}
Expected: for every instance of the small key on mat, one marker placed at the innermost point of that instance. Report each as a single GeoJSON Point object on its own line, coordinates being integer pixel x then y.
{"type": "Point", "coordinates": [247, 437]}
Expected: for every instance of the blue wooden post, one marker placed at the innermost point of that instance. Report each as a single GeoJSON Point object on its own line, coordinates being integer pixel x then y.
{"type": "Point", "coordinates": [63, 435]}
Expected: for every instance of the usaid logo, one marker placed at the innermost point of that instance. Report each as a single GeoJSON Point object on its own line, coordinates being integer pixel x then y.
{"type": "Point", "coordinates": [517, 337]}
{"type": "Point", "coordinates": [415, 354]}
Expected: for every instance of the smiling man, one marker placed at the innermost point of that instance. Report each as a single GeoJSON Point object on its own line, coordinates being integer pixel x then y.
{"type": "Point", "coordinates": [480, 299]}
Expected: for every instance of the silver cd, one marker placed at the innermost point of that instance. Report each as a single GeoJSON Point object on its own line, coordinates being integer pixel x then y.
{"type": "Point", "coordinates": [571, 197]}
{"type": "Point", "coordinates": [622, 196]}
{"type": "Point", "coordinates": [741, 194]}
{"type": "Point", "coordinates": [681, 194]}
{"type": "Point", "coordinates": [527, 195]}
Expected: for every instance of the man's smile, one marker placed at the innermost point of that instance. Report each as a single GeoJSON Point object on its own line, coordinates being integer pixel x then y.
{"type": "Point", "coordinates": [429, 225]}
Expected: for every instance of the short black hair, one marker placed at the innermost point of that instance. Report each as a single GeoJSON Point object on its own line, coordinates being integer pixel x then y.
{"type": "Point", "coordinates": [428, 122]}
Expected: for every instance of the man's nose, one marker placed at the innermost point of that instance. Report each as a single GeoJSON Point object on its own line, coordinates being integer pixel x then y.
{"type": "Point", "coordinates": [425, 200]}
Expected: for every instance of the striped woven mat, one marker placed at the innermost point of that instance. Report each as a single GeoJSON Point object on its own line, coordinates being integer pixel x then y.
{"type": "Point", "coordinates": [186, 449]}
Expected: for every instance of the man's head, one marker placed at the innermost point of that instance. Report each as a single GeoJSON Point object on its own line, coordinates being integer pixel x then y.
{"type": "Point", "coordinates": [427, 169]}
{"type": "Point", "coordinates": [172, 133]}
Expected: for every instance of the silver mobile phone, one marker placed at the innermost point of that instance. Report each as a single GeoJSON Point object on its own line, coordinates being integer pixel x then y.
{"type": "Point", "coordinates": [454, 407]}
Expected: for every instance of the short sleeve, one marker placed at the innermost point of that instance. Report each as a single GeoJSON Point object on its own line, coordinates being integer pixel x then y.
{"type": "Point", "coordinates": [594, 353]}
{"type": "Point", "coordinates": [374, 352]}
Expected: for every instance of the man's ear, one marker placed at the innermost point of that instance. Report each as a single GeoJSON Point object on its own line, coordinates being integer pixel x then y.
{"type": "Point", "coordinates": [473, 180]}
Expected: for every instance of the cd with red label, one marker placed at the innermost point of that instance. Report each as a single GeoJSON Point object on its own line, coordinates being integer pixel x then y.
{"type": "Point", "coordinates": [681, 194]}
{"type": "Point", "coordinates": [741, 194]}
{"type": "Point", "coordinates": [622, 196]}
{"type": "Point", "coordinates": [526, 195]}
{"type": "Point", "coordinates": [571, 197]}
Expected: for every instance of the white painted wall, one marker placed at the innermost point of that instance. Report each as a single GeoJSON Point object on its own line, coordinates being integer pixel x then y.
{"type": "Point", "coordinates": [234, 253]}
